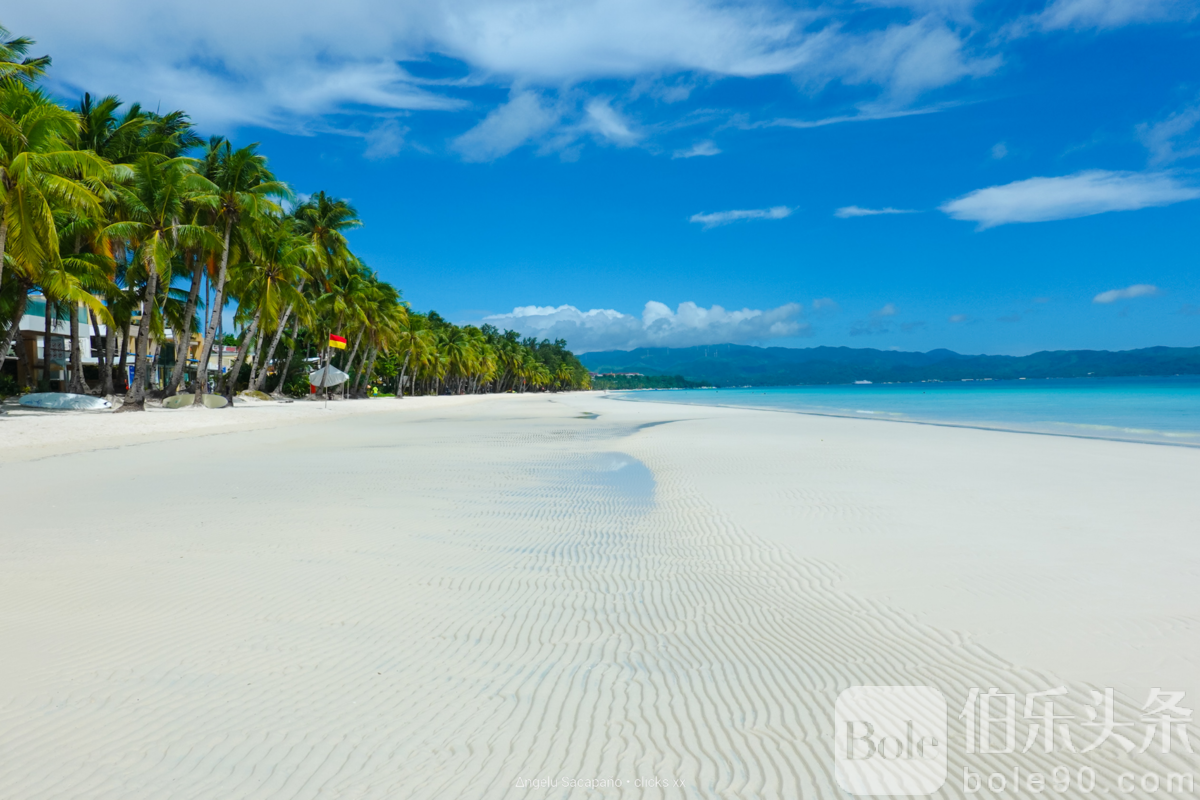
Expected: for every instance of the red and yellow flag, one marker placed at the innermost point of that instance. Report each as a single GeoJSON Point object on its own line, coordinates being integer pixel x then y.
{"type": "Point", "coordinates": [337, 341]}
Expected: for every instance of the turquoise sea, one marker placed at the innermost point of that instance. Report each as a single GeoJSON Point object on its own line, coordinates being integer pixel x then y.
{"type": "Point", "coordinates": [1157, 410]}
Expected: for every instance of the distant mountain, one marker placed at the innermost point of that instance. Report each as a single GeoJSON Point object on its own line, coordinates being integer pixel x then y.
{"type": "Point", "coordinates": [739, 365]}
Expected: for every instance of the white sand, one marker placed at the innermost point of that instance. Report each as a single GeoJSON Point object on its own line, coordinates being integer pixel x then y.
{"type": "Point", "coordinates": [436, 597]}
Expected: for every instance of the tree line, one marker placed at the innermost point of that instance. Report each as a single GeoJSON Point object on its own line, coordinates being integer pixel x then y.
{"type": "Point", "coordinates": [133, 216]}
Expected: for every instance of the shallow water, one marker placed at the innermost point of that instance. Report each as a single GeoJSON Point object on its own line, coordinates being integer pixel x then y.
{"type": "Point", "coordinates": [1158, 410]}
{"type": "Point", "coordinates": [624, 475]}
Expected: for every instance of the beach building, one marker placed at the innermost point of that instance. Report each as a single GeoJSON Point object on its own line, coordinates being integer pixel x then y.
{"type": "Point", "coordinates": [44, 343]}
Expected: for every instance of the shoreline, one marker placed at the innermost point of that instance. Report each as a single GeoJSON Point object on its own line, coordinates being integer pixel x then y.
{"type": "Point", "coordinates": [934, 423]}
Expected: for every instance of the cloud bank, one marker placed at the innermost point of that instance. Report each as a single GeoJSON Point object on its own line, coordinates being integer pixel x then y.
{"type": "Point", "coordinates": [288, 62]}
{"type": "Point", "coordinates": [1080, 195]}
{"type": "Point", "coordinates": [1128, 293]}
{"type": "Point", "coordinates": [718, 218]}
{"type": "Point", "coordinates": [659, 326]}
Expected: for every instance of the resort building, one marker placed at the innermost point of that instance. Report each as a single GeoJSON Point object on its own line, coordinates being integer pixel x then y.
{"type": "Point", "coordinates": [44, 343]}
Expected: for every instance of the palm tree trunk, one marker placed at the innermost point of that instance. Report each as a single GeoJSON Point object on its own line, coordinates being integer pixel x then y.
{"type": "Point", "coordinates": [264, 363]}
{"type": "Point", "coordinates": [124, 362]}
{"type": "Point", "coordinates": [400, 379]}
{"type": "Point", "coordinates": [110, 355]}
{"type": "Point", "coordinates": [366, 382]}
{"type": "Point", "coordinates": [287, 312]}
{"type": "Point", "coordinates": [184, 337]}
{"type": "Point", "coordinates": [152, 368]}
{"type": "Point", "coordinates": [3, 242]}
{"type": "Point", "coordinates": [255, 357]}
{"type": "Point", "coordinates": [77, 384]}
{"type": "Point", "coordinates": [229, 385]}
{"type": "Point", "coordinates": [97, 352]}
{"type": "Point", "coordinates": [365, 386]}
{"type": "Point", "coordinates": [210, 332]}
{"type": "Point", "coordinates": [356, 381]}
{"type": "Point", "coordinates": [24, 365]}
{"type": "Point", "coordinates": [44, 378]}
{"type": "Point", "coordinates": [287, 362]}
{"type": "Point", "coordinates": [259, 361]}
{"type": "Point", "coordinates": [360, 385]}
{"type": "Point", "coordinates": [135, 398]}
{"type": "Point", "coordinates": [350, 363]}
{"type": "Point", "coordinates": [14, 327]}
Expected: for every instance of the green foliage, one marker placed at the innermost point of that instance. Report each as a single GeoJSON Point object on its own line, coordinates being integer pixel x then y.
{"type": "Point", "coordinates": [297, 386]}
{"type": "Point", "coordinates": [621, 382]}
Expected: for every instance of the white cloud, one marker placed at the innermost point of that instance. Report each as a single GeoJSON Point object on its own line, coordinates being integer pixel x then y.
{"type": "Point", "coordinates": [957, 318]}
{"type": "Point", "coordinates": [908, 59]}
{"type": "Point", "coordinates": [385, 140]}
{"type": "Point", "coordinates": [1086, 14]}
{"type": "Point", "coordinates": [725, 217]}
{"type": "Point", "coordinates": [288, 62]}
{"type": "Point", "coordinates": [1080, 195]}
{"type": "Point", "coordinates": [855, 211]}
{"type": "Point", "coordinates": [999, 150]}
{"type": "Point", "coordinates": [825, 304]}
{"type": "Point", "coordinates": [522, 118]}
{"type": "Point", "coordinates": [1128, 293]}
{"type": "Point", "coordinates": [659, 326]}
{"type": "Point", "coordinates": [705, 148]}
{"type": "Point", "coordinates": [865, 115]}
{"type": "Point", "coordinates": [609, 124]}
{"type": "Point", "coordinates": [959, 10]}
{"type": "Point", "coordinates": [1172, 138]}
{"type": "Point", "coordinates": [889, 310]}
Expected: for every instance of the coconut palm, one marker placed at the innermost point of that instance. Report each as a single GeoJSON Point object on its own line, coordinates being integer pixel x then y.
{"type": "Point", "coordinates": [39, 173]}
{"type": "Point", "coordinates": [324, 220]}
{"type": "Point", "coordinates": [415, 340]}
{"type": "Point", "coordinates": [242, 189]}
{"type": "Point", "coordinates": [14, 65]}
{"type": "Point", "coordinates": [153, 207]}
{"type": "Point", "coordinates": [266, 284]}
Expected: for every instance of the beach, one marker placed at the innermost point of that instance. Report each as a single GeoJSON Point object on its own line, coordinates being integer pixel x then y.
{"type": "Point", "coordinates": [465, 596]}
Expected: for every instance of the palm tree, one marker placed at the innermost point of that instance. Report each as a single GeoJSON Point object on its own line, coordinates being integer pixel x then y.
{"type": "Point", "coordinates": [117, 139]}
{"type": "Point", "coordinates": [39, 173]}
{"type": "Point", "coordinates": [153, 206]}
{"type": "Point", "coordinates": [266, 284]}
{"type": "Point", "coordinates": [243, 188]}
{"type": "Point", "coordinates": [14, 64]}
{"type": "Point", "coordinates": [324, 220]}
{"type": "Point", "coordinates": [415, 340]}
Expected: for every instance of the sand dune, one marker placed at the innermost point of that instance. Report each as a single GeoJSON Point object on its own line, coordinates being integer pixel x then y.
{"type": "Point", "coordinates": [458, 599]}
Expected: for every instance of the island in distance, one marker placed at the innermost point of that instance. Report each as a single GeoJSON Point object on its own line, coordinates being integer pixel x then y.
{"type": "Point", "coordinates": [741, 365]}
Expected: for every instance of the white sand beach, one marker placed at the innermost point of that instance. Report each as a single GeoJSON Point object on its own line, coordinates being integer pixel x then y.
{"type": "Point", "coordinates": [441, 597]}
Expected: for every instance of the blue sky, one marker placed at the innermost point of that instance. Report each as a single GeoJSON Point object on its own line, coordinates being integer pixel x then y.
{"type": "Point", "coordinates": [598, 164]}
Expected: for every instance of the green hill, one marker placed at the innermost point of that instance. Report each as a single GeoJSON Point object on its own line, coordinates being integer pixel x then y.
{"type": "Point", "coordinates": [740, 365]}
